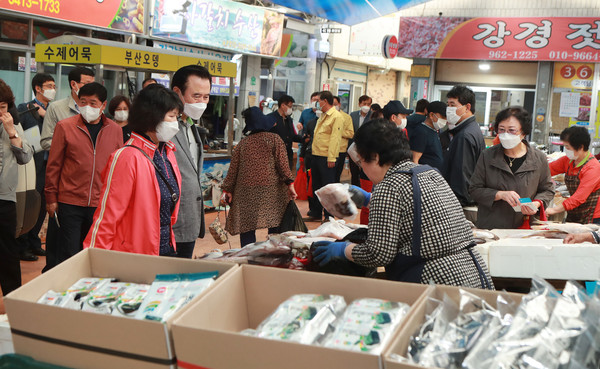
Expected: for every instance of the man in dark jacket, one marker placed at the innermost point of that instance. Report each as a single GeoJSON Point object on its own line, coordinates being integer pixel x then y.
{"type": "Point", "coordinates": [358, 118]}
{"type": "Point", "coordinates": [285, 126]}
{"type": "Point", "coordinates": [32, 118]}
{"type": "Point", "coordinates": [466, 142]}
{"type": "Point", "coordinates": [414, 120]}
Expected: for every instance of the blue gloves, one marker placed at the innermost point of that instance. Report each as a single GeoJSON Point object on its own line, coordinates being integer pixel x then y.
{"type": "Point", "coordinates": [359, 196]}
{"type": "Point", "coordinates": [327, 251]}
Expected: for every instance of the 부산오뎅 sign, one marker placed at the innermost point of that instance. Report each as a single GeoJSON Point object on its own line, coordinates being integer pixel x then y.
{"type": "Point", "coordinates": [126, 15]}
{"type": "Point", "coordinates": [221, 24]}
{"type": "Point", "coordinates": [517, 39]}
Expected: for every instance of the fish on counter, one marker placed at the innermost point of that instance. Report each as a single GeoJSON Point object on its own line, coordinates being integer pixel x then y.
{"type": "Point", "coordinates": [482, 236]}
{"type": "Point", "coordinates": [564, 227]}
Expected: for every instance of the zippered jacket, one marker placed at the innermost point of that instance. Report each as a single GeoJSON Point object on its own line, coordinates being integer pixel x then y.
{"type": "Point", "coordinates": [128, 216]}
{"type": "Point", "coordinates": [75, 165]}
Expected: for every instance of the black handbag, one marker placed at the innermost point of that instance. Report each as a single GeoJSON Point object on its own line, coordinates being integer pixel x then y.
{"type": "Point", "coordinates": [292, 219]}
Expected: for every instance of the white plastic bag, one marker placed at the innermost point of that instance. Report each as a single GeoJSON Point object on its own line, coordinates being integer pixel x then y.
{"type": "Point", "coordinates": [336, 199]}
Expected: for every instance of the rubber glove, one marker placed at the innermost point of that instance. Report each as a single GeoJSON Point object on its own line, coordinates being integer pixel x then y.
{"type": "Point", "coordinates": [326, 251]}
{"type": "Point", "coordinates": [360, 197]}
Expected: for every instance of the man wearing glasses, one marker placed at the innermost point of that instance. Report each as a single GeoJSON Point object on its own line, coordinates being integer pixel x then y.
{"type": "Point", "coordinates": [32, 118]}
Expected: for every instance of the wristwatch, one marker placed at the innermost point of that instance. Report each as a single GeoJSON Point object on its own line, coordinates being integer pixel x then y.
{"type": "Point", "coordinates": [15, 136]}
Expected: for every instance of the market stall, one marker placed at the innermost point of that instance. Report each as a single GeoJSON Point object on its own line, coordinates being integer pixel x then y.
{"type": "Point", "coordinates": [103, 54]}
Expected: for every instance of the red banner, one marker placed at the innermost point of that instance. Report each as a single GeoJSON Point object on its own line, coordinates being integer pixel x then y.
{"type": "Point", "coordinates": [127, 15]}
{"type": "Point", "coordinates": [516, 39]}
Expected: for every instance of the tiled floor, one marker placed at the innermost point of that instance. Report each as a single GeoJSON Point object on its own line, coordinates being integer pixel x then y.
{"type": "Point", "coordinates": [31, 270]}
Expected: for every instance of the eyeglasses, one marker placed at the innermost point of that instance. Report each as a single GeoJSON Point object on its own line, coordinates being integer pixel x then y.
{"type": "Point", "coordinates": [50, 86]}
{"type": "Point", "coordinates": [512, 131]}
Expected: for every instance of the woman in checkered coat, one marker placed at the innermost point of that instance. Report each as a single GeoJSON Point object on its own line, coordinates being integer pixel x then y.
{"type": "Point", "coordinates": [417, 228]}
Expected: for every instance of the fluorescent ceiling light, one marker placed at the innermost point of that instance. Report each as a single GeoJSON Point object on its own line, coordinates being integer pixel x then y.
{"type": "Point", "coordinates": [484, 66]}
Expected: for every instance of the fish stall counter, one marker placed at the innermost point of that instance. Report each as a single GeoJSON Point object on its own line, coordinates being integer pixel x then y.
{"type": "Point", "coordinates": [519, 253]}
{"type": "Point", "coordinates": [214, 169]}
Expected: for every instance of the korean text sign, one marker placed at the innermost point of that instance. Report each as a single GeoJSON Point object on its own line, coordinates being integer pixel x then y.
{"type": "Point", "coordinates": [519, 39]}
{"type": "Point", "coordinates": [221, 24]}
{"type": "Point", "coordinates": [126, 15]}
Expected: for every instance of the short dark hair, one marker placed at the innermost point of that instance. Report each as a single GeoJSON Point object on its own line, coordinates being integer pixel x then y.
{"type": "Point", "coordinates": [337, 98]}
{"type": "Point", "coordinates": [116, 101]}
{"type": "Point", "coordinates": [327, 96]}
{"type": "Point", "coordinates": [382, 137]}
{"type": "Point", "coordinates": [6, 94]}
{"type": "Point", "coordinates": [464, 95]}
{"type": "Point", "coordinates": [94, 89]}
{"type": "Point", "coordinates": [150, 106]}
{"type": "Point", "coordinates": [314, 94]}
{"type": "Point", "coordinates": [422, 105]}
{"type": "Point", "coordinates": [577, 137]}
{"type": "Point", "coordinates": [148, 80]}
{"type": "Point", "coordinates": [284, 99]}
{"type": "Point", "coordinates": [519, 113]}
{"type": "Point", "coordinates": [180, 78]}
{"type": "Point", "coordinates": [364, 98]}
{"type": "Point", "coordinates": [76, 73]}
{"type": "Point", "coordinates": [39, 79]}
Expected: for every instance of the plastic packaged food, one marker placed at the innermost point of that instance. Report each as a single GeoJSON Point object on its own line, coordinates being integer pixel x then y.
{"type": "Point", "coordinates": [302, 318]}
{"type": "Point", "coordinates": [336, 198]}
{"type": "Point", "coordinates": [366, 325]}
{"type": "Point", "coordinates": [169, 292]}
{"type": "Point", "coordinates": [129, 302]}
{"type": "Point", "coordinates": [103, 299]}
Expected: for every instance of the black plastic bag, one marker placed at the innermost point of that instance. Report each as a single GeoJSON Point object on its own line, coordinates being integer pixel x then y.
{"type": "Point", "coordinates": [292, 219]}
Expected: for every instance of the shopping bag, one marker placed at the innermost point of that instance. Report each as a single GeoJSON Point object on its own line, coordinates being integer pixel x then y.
{"type": "Point", "coordinates": [217, 231]}
{"type": "Point", "coordinates": [292, 219]}
{"type": "Point", "coordinates": [309, 189]}
{"type": "Point", "coordinates": [300, 183]}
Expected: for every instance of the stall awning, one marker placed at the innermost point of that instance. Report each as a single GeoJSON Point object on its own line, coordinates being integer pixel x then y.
{"type": "Point", "coordinates": [348, 12]}
{"type": "Point", "coordinates": [85, 50]}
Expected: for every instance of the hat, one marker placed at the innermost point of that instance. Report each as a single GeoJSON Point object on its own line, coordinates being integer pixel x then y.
{"type": "Point", "coordinates": [395, 107]}
{"type": "Point", "coordinates": [257, 121]}
{"type": "Point", "coordinates": [437, 107]}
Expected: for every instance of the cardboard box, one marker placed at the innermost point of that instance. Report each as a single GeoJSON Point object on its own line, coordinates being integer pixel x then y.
{"type": "Point", "coordinates": [81, 339]}
{"type": "Point", "coordinates": [208, 334]}
{"type": "Point", "coordinates": [416, 318]}
{"type": "Point", "coordinates": [6, 345]}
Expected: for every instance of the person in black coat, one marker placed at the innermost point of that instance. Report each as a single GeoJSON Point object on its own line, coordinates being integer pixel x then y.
{"type": "Point", "coordinates": [31, 115]}
{"type": "Point", "coordinates": [285, 126]}
{"type": "Point", "coordinates": [466, 143]}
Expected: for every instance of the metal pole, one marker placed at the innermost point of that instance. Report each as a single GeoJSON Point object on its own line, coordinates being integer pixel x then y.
{"type": "Point", "coordinates": [231, 127]}
{"type": "Point", "coordinates": [27, 89]}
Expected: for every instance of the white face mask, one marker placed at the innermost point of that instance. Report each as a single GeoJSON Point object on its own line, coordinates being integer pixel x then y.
{"type": "Point", "coordinates": [452, 117]}
{"type": "Point", "coordinates": [439, 124]}
{"type": "Point", "coordinates": [49, 94]}
{"type": "Point", "coordinates": [403, 123]}
{"type": "Point", "coordinates": [365, 109]}
{"type": "Point", "coordinates": [337, 107]}
{"type": "Point", "coordinates": [319, 113]}
{"type": "Point", "coordinates": [195, 110]}
{"type": "Point", "coordinates": [509, 141]}
{"type": "Point", "coordinates": [313, 105]}
{"type": "Point", "coordinates": [165, 131]}
{"type": "Point", "coordinates": [570, 154]}
{"type": "Point", "coordinates": [289, 111]}
{"type": "Point", "coordinates": [89, 114]}
{"type": "Point", "coordinates": [121, 115]}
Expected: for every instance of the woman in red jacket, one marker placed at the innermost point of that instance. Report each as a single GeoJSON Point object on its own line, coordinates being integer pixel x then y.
{"type": "Point", "coordinates": [582, 177]}
{"type": "Point", "coordinates": [140, 194]}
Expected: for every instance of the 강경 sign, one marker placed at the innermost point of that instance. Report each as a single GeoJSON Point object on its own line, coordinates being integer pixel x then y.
{"type": "Point", "coordinates": [518, 39]}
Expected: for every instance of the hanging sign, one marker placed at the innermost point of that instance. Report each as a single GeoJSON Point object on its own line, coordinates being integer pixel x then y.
{"type": "Point", "coordinates": [389, 47]}
{"type": "Point", "coordinates": [516, 39]}
{"type": "Point", "coordinates": [126, 15]}
{"type": "Point", "coordinates": [221, 24]}
{"type": "Point", "coordinates": [573, 75]}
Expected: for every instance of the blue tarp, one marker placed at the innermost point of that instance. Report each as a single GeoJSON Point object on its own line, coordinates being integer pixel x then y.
{"type": "Point", "coordinates": [348, 12]}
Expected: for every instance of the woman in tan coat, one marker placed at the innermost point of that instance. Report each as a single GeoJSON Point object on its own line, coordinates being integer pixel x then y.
{"type": "Point", "coordinates": [508, 172]}
{"type": "Point", "coordinates": [259, 182]}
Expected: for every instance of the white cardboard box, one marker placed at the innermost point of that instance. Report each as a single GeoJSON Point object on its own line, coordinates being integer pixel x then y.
{"type": "Point", "coordinates": [208, 334]}
{"type": "Point", "coordinates": [81, 339]}
{"type": "Point", "coordinates": [6, 345]}
{"type": "Point", "coordinates": [416, 318]}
